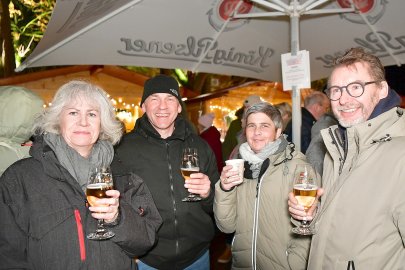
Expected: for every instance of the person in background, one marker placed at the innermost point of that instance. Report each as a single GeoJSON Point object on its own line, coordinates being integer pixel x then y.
{"type": "Point", "coordinates": [365, 160]}
{"type": "Point", "coordinates": [256, 210]}
{"type": "Point", "coordinates": [316, 104]}
{"type": "Point", "coordinates": [212, 136]}
{"type": "Point", "coordinates": [231, 136]}
{"type": "Point", "coordinates": [316, 150]}
{"type": "Point", "coordinates": [153, 150]}
{"type": "Point", "coordinates": [286, 112]}
{"type": "Point", "coordinates": [234, 136]}
{"type": "Point", "coordinates": [43, 209]}
{"type": "Point", "coordinates": [18, 109]}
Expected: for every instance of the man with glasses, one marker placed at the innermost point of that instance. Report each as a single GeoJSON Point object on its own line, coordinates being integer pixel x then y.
{"type": "Point", "coordinates": [360, 223]}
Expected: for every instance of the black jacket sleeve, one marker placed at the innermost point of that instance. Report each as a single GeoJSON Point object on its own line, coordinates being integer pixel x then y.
{"type": "Point", "coordinates": [12, 237]}
{"type": "Point", "coordinates": [139, 219]}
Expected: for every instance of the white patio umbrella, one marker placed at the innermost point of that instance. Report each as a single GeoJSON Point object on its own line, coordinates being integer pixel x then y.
{"type": "Point", "coordinates": [202, 35]}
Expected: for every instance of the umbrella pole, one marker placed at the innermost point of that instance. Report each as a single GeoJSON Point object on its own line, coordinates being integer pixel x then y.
{"type": "Point", "coordinates": [296, 96]}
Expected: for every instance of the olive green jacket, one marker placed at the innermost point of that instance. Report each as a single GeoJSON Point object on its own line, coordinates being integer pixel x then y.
{"type": "Point", "coordinates": [361, 222]}
{"type": "Point", "coordinates": [264, 205]}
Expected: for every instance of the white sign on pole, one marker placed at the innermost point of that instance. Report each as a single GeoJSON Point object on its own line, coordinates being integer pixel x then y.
{"type": "Point", "coordinates": [296, 70]}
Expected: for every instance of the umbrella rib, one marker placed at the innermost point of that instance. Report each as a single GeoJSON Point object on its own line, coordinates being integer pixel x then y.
{"type": "Point", "coordinates": [314, 5]}
{"type": "Point", "coordinates": [280, 7]}
{"type": "Point", "coordinates": [329, 10]}
{"type": "Point", "coordinates": [281, 4]}
{"type": "Point", "coordinates": [372, 28]}
{"type": "Point", "coordinates": [306, 4]}
{"type": "Point", "coordinates": [259, 14]}
{"type": "Point", "coordinates": [216, 37]}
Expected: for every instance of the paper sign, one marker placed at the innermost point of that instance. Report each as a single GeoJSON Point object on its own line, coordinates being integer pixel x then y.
{"type": "Point", "coordinates": [296, 70]}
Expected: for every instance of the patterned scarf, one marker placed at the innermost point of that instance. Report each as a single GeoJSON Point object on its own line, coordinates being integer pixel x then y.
{"type": "Point", "coordinates": [255, 160]}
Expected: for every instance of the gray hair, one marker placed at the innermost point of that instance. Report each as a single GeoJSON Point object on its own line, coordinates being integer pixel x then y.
{"type": "Point", "coordinates": [49, 120]}
{"type": "Point", "coordinates": [316, 97]}
{"type": "Point", "coordinates": [263, 107]}
{"type": "Point", "coordinates": [284, 108]}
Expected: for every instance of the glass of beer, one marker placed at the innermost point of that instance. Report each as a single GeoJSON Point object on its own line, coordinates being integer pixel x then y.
{"type": "Point", "coordinates": [99, 182]}
{"type": "Point", "coordinates": [305, 187]}
{"type": "Point", "coordinates": [189, 165]}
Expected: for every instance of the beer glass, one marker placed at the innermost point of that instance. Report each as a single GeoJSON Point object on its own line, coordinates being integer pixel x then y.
{"type": "Point", "coordinates": [304, 189]}
{"type": "Point", "coordinates": [189, 165]}
{"type": "Point", "coordinates": [99, 182]}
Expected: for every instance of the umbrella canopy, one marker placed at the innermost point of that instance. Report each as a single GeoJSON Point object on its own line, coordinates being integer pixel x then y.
{"type": "Point", "coordinates": [201, 36]}
{"type": "Point", "coordinates": [233, 37]}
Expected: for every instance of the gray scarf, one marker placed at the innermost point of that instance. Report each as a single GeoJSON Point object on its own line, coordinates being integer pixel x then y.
{"type": "Point", "coordinates": [255, 160]}
{"type": "Point", "coordinates": [79, 167]}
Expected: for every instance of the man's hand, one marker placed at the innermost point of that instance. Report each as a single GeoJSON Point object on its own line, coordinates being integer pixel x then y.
{"type": "Point", "coordinates": [297, 211]}
{"type": "Point", "coordinates": [200, 184]}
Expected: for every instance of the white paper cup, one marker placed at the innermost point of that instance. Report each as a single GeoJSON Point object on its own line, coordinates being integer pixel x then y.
{"type": "Point", "coordinates": [237, 165]}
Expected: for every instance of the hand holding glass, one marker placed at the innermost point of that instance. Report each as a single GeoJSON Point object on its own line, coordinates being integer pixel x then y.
{"type": "Point", "coordinates": [304, 189]}
{"type": "Point", "coordinates": [189, 165]}
{"type": "Point", "coordinates": [99, 182]}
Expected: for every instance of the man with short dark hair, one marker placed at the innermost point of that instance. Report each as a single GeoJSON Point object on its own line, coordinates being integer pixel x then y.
{"type": "Point", "coordinates": [361, 221]}
{"type": "Point", "coordinates": [153, 150]}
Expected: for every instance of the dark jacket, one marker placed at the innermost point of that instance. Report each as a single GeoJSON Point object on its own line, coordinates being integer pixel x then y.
{"type": "Point", "coordinates": [187, 226]}
{"type": "Point", "coordinates": [307, 121]}
{"type": "Point", "coordinates": [44, 219]}
{"type": "Point", "coordinates": [231, 136]}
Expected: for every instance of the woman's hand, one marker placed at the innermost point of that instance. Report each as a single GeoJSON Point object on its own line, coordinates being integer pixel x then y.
{"type": "Point", "coordinates": [106, 208]}
{"type": "Point", "coordinates": [229, 178]}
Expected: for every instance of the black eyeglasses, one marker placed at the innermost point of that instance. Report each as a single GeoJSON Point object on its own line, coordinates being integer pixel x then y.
{"type": "Point", "coordinates": [354, 89]}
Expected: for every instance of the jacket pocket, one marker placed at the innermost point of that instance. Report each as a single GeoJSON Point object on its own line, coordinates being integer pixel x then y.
{"type": "Point", "coordinates": [41, 226]}
{"type": "Point", "coordinates": [54, 242]}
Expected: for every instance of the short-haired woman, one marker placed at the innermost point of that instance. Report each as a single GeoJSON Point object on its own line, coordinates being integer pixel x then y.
{"type": "Point", "coordinates": [257, 209]}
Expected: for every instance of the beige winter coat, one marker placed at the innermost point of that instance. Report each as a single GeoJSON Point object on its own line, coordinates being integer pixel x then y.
{"type": "Point", "coordinates": [240, 210]}
{"type": "Point", "coordinates": [362, 219]}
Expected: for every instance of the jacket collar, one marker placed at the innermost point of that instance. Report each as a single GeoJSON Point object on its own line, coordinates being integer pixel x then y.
{"type": "Point", "coordinates": [373, 130]}
{"type": "Point", "coordinates": [182, 129]}
{"type": "Point", "coordinates": [390, 101]}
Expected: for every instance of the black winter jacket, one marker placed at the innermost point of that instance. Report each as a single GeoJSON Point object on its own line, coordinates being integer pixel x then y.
{"type": "Point", "coordinates": [187, 227]}
{"type": "Point", "coordinates": [44, 219]}
{"type": "Point", "coordinates": [307, 121]}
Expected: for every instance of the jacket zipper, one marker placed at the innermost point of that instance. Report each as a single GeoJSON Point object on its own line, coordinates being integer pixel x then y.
{"type": "Point", "coordinates": [335, 142]}
{"type": "Point", "coordinates": [256, 222]}
{"type": "Point", "coordinates": [80, 235]}
{"type": "Point", "coordinates": [173, 199]}
{"type": "Point", "coordinates": [350, 265]}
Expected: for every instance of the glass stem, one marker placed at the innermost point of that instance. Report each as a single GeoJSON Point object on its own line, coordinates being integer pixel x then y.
{"type": "Point", "coordinates": [100, 226]}
{"type": "Point", "coordinates": [304, 223]}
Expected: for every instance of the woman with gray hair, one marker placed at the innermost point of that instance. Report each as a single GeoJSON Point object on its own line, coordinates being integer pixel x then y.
{"type": "Point", "coordinates": [256, 208]}
{"type": "Point", "coordinates": [44, 213]}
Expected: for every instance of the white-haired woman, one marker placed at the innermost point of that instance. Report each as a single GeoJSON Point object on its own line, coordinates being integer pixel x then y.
{"type": "Point", "coordinates": [257, 209]}
{"type": "Point", "coordinates": [44, 214]}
